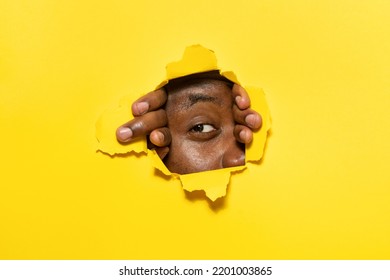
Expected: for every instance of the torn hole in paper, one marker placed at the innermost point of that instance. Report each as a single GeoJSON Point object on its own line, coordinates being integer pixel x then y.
{"type": "Point", "coordinates": [196, 60]}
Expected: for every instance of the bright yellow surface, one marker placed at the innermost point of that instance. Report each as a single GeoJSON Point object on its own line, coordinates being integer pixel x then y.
{"type": "Point", "coordinates": [196, 59]}
{"type": "Point", "coordinates": [322, 190]}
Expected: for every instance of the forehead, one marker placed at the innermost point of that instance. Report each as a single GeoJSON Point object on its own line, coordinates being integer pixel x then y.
{"type": "Point", "coordinates": [185, 94]}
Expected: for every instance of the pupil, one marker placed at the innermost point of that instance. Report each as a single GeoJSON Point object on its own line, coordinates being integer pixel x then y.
{"type": "Point", "coordinates": [198, 128]}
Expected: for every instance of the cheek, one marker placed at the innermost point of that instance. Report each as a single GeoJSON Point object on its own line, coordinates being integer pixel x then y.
{"type": "Point", "coordinates": [188, 157]}
{"type": "Point", "coordinates": [204, 156]}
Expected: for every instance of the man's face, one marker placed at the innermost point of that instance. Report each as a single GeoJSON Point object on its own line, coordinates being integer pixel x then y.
{"type": "Point", "coordinates": [200, 119]}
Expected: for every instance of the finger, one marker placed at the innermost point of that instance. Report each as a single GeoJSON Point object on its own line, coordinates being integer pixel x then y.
{"type": "Point", "coordinates": [241, 97]}
{"type": "Point", "coordinates": [162, 152]}
{"type": "Point", "coordinates": [247, 117]}
{"type": "Point", "coordinates": [243, 134]}
{"type": "Point", "coordinates": [149, 102]}
{"type": "Point", "coordinates": [141, 126]}
{"type": "Point", "coordinates": [161, 137]}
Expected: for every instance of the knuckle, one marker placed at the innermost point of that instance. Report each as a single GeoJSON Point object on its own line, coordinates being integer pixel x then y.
{"type": "Point", "coordinates": [139, 126]}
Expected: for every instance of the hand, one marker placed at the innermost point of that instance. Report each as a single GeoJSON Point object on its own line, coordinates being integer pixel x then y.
{"type": "Point", "coordinates": [150, 119]}
{"type": "Point", "coordinates": [247, 120]}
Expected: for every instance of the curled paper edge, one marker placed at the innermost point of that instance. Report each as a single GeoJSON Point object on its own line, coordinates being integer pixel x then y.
{"type": "Point", "coordinates": [196, 59]}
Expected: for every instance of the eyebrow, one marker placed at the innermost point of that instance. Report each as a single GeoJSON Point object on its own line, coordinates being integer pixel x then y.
{"type": "Point", "coordinates": [199, 97]}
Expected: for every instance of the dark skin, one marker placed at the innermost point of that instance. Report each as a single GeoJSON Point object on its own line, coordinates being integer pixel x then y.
{"type": "Point", "coordinates": [150, 118]}
{"type": "Point", "coordinates": [200, 118]}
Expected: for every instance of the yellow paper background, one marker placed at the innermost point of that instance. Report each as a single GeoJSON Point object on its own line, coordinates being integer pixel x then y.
{"type": "Point", "coordinates": [196, 59]}
{"type": "Point", "coordinates": [321, 191]}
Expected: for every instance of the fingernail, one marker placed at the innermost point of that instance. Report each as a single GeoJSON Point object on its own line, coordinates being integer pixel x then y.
{"type": "Point", "coordinates": [245, 136]}
{"type": "Point", "coordinates": [157, 138]}
{"type": "Point", "coordinates": [125, 133]}
{"type": "Point", "coordinates": [252, 121]}
{"type": "Point", "coordinates": [142, 107]}
{"type": "Point", "coordinates": [238, 99]}
{"type": "Point", "coordinates": [160, 137]}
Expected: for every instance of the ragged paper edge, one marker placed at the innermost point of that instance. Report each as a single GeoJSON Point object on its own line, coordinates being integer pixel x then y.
{"type": "Point", "coordinates": [106, 127]}
{"type": "Point", "coordinates": [196, 59]}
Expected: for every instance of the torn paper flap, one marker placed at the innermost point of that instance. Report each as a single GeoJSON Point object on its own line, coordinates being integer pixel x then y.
{"type": "Point", "coordinates": [196, 59]}
{"type": "Point", "coordinates": [214, 182]}
{"type": "Point", "coordinates": [107, 125]}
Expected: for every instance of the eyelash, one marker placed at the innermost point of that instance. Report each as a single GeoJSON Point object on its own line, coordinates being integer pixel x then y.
{"type": "Point", "coordinates": [199, 127]}
{"type": "Point", "coordinates": [198, 133]}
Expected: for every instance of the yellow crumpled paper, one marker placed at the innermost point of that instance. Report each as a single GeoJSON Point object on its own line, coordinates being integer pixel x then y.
{"type": "Point", "coordinates": [196, 59]}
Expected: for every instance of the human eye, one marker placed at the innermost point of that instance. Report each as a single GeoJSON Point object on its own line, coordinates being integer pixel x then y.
{"type": "Point", "coordinates": [203, 128]}
{"type": "Point", "coordinates": [203, 132]}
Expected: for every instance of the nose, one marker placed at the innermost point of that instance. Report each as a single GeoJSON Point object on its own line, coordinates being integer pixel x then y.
{"type": "Point", "coordinates": [234, 155]}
